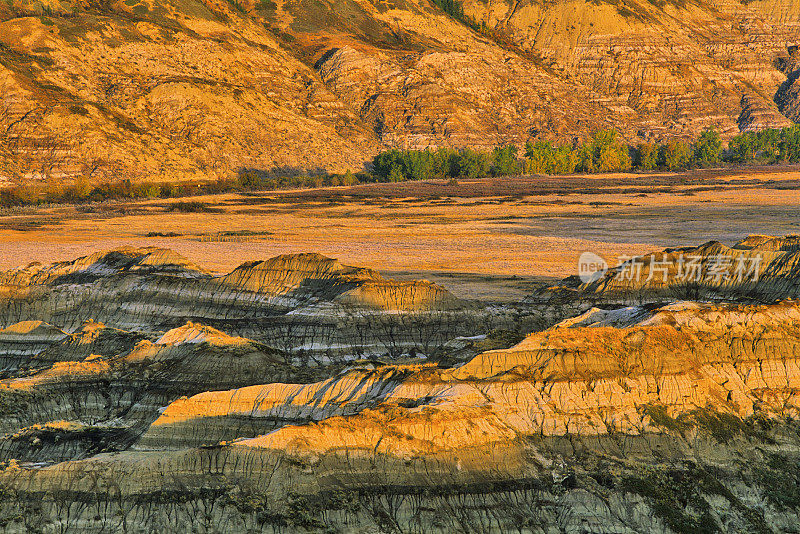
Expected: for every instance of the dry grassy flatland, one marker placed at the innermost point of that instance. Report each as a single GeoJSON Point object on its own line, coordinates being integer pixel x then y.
{"type": "Point", "coordinates": [484, 238]}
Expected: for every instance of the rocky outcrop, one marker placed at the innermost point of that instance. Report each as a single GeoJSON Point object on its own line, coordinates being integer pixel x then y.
{"type": "Point", "coordinates": [788, 96]}
{"type": "Point", "coordinates": [140, 344]}
{"type": "Point", "coordinates": [644, 417]}
{"type": "Point", "coordinates": [91, 338]}
{"type": "Point", "coordinates": [63, 405]}
{"type": "Point", "coordinates": [214, 416]}
{"type": "Point", "coordinates": [192, 91]}
{"type": "Point", "coordinates": [581, 377]}
{"type": "Point", "coordinates": [658, 420]}
{"type": "Point", "coordinates": [683, 67]}
{"type": "Point", "coordinates": [21, 341]}
{"type": "Point", "coordinates": [452, 97]}
{"type": "Point", "coordinates": [566, 68]}
{"type": "Point", "coordinates": [31, 346]}
{"type": "Point", "coordinates": [305, 304]}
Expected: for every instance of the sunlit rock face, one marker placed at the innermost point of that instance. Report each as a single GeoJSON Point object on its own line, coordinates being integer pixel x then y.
{"type": "Point", "coordinates": [594, 419]}
{"type": "Point", "coordinates": [195, 89]}
{"type": "Point", "coordinates": [580, 377]}
{"type": "Point", "coordinates": [134, 335]}
{"type": "Point", "coordinates": [666, 417]}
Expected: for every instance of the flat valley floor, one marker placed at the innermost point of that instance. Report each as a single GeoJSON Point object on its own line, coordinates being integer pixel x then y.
{"type": "Point", "coordinates": [492, 239]}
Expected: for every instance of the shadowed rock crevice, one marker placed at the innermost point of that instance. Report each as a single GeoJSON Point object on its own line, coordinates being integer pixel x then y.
{"type": "Point", "coordinates": [788, 95]}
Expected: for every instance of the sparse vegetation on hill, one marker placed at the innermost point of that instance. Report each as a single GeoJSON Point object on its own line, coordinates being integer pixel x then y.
{"type": "Point", "coordinates": [452, 8]}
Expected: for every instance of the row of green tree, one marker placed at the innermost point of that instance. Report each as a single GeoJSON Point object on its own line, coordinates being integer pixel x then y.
{"type": "Point", "coordinates": [606, 151]}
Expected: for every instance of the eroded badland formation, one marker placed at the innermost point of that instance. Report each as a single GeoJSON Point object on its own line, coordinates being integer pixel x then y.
{"type": "Point", "coordinates": [141, 393]}
{"type": "Point", "coordinates": [144, 389]}
{"type": "Point", "coordinates": [198, 88]}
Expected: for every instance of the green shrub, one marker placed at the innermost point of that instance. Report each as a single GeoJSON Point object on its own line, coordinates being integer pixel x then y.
{"type": "Point", "coordinates": [349, 178]}
{"type": "Point", "coordinates": [743, 148]}
{"type": "Point", "coordinates": [504, 161]}
{"type": "Point", "coordinates": [648, 157]}
{"type": "Point", "coordinates": [162, 234]}
{"type": "Point", "coordinates": [472, 164]}
{"type": "Point", "coordinates": [763, 147]}
{"type": "Point", "coordinates": [452, 8]}
{"type": "Point", "coordinates": [418, 164]}
{"type": "Point", "coordinates": [789, 145]}
{"type": "Point", "coordinates": [707, 149]}
{"type": "Point", "coordinates": [604, 153]}
{"type": "Point", "coordinates": [659, 417]}
{"type": "Point", "coordinates": [676, 155]}
{"type": "Point", "coordinates": [543, 157]}
{"type": "Point", "coordinates": [148, 190]}
{"type": "Point", "coordinates": [249, 179]}
{"type": "Point", "coordinates": [537, 157]}
{"type": "Point", "coordinates": [188, 207]}
{"type": "Point", "coordinates": [769, 141]}
{"type": "Point", "coordinates": [396, 174]}
{"type": "Point", "coordinates": [388, 163]}
{"type": "Point", "coordinates": [445, 163]}
{"type": "Point", "coordinates": [216, 186]}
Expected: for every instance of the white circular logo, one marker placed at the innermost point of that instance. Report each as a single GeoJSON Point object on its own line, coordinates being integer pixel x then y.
{"type": "Point", "coordinates": [591, 267]}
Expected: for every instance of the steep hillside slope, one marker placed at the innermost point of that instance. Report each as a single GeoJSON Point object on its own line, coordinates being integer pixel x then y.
{"type": "Point", "coordinates": [197, 88]}
{"type": "Point", "coordinates": [683, 65]}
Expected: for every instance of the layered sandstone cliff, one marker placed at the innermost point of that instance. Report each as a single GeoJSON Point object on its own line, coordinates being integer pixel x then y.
{"type": "Point", "coordinates": [129, 338]}
{"type": "Point", "coordinates": [648, 425]}
{"type": "Point", "coordinates": [100, 388]}
{"type": "Point", "coordinates": [587, 380]}
{"type": "Point", "coordinates": [303, 304]}
{"type": "Point", "coordinates": [203, 89]}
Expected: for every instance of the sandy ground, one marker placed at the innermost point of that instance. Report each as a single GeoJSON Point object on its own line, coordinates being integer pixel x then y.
{"type": "Point", "coordinates": [465, 237]}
